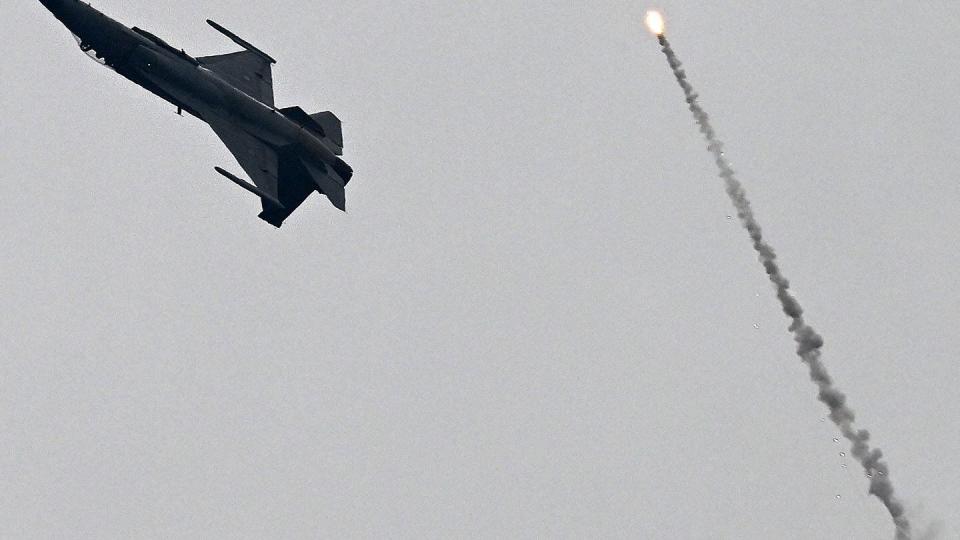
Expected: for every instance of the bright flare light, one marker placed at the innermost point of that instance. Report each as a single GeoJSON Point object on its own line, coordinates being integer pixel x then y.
{"type": "Point", "coordinates": [654, 22]}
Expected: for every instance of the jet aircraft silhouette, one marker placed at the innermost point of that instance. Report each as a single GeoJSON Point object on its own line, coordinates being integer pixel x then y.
{"type": "Point", "coordinates": [286, 152]}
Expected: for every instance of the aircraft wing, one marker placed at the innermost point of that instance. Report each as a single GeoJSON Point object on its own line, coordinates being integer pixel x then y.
{"type": "Point", "coordinates": [258, 160]}
{"type": "Point", "coordinates": [247, 70]}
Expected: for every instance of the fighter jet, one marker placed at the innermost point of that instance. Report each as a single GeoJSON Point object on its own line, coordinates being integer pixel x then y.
{"type": "Point", "coordinates": [286, 152]}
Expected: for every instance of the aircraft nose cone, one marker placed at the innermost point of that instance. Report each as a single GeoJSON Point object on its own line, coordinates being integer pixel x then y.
{"type": "Point", "coordinates": [71, 13]}
{"type": "Point", "coordinates": [55, 6]}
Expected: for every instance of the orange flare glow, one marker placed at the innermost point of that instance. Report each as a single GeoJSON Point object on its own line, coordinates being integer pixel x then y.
{"type": "Point", "coordinates": [654, 22]}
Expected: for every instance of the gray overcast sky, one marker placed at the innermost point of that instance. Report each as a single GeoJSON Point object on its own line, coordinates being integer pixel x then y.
{"type": "Point", "coordinates": [536, 318]}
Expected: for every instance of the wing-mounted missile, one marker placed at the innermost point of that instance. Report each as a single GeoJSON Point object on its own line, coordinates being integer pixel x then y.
{"type": "Point", "coordinates": [249, 187]}
{"type": "Point", "coordinates": [241, 42]}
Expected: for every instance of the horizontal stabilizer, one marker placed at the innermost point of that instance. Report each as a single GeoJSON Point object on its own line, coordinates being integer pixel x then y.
{"type": "Point", "coordinates": [329, 183]}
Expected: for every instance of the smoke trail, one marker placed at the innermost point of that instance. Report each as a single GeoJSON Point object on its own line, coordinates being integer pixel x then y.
{"type": "Point", "coordinates": [808, 341]}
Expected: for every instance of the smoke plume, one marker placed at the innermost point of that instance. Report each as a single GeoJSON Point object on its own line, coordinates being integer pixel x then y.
{"type": "Point", "coordinates": [808, 341]}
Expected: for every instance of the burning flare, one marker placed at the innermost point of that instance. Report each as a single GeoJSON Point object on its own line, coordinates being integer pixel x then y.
{"type": "Point", "coordinates": [654, 22]}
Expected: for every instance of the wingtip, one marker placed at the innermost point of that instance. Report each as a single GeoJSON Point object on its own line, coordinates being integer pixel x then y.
{"type": "Point", "coordinates": [240, 41]}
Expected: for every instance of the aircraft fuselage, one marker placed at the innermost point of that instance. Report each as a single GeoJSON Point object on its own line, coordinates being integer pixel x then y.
{"type": "Point", "coordinates": [188, 84]}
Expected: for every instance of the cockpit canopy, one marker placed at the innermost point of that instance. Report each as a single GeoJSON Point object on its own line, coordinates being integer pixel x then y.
{"type": "Point", "coordinates": [88, 50]}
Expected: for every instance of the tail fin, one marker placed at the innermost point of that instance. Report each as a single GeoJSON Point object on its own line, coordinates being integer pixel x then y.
{"type": "Point", "coordinates": [325, 124]}
{"type": "Point", "coordinates": [331, 126]}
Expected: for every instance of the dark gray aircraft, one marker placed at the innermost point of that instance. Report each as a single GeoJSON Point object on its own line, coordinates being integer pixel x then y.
{"type": "Point", "coordinates": [286, 152]}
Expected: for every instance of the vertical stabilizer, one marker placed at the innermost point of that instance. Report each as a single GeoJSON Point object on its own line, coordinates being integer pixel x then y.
{"type": "Point", "coordinates": [331, 127]}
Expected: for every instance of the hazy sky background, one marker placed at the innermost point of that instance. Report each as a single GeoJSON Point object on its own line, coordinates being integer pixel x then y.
{"type": "Point", "coordinates": [536, 318]}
